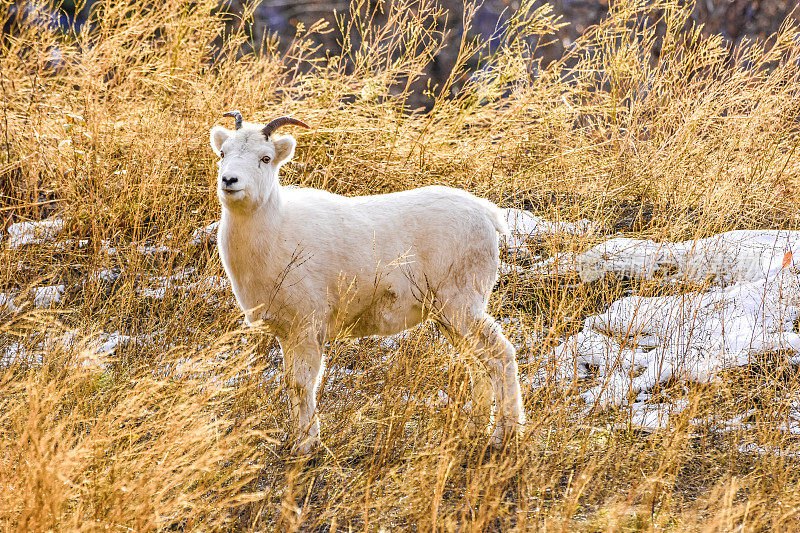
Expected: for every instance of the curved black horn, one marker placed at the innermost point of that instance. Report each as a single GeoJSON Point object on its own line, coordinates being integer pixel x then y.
{"type": "Point", "coordinates": [281, 121]}
{"type": "Point", "coordinates": [236, 116]}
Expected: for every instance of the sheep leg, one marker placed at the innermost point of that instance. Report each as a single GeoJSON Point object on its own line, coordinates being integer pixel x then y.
{"type": "Point", "coordinates": [481, 386]}
{"type": "Point", "coordinates": [482, 394]}
{"type": "Point", "coordinates": [501, 361]}
{"type": "Point", "coordinates": [498, 357]}
{"type": "Point", "coordinates": [302, 364]}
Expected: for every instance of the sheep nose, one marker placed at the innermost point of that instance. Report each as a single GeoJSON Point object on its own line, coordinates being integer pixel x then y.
{"type": "Point", "coordinates": [227, 182]}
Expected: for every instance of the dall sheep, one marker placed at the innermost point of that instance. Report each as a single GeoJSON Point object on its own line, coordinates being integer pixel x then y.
{"type": "Point", "coordinates": [312, 265]}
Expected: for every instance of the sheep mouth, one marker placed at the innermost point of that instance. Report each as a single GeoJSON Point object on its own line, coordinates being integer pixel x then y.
{"type": "Point", "coordinates": [231, 192]}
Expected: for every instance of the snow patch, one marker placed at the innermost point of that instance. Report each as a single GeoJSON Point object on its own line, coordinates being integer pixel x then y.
{"type": "Point", "coordinates": [393, 342]}
{"type": "Point", "coordinates": [208, 284]}
{"type": "Point", "coordinates": [164, 283]}
{"type": "Point", "coordinates": [104, 275]}
{"type": "Point", "coordinates": [507, 269]}
{"type": "Point", "coordinates": [23, 233]}
{"type": "Point", "coordinates": [15, 354]}
{"type": "Point", "coordinates": [80, 244]}
{"type": "Point", "coordinates": [7, 302]}
{"type": "Point", "coordinates": [107, 248]}
{"type": "Point", "coordinates": [154, 249]}
{"type": "Point", "coordinates": [731, 257]}
{"type": "Point", "coordinates": [754, 449]}
{"type": "Point", "coordinates": [641, 341]}
{"type": "Point", "coordinates": [177, 283]}
{"type": "Point", "coordinates": [655, 416]}
{"type": "Point", "coordinates": [90, 353]}
{"type": "Point", "coordinates": [44, 297]}
{"type": "Point", "coordinates": [204, 236]}
{"type": "Point", "coordinates": [108, 343]}
{"type": "Point", "coordinates": [524, 226]}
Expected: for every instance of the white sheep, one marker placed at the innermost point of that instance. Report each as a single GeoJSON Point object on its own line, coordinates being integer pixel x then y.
{"type": "Point", "coordinates": [312, 265]}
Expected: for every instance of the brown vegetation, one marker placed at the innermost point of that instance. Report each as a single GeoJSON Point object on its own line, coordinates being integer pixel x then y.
{"type": "Point", "coordinates": [185, 427]}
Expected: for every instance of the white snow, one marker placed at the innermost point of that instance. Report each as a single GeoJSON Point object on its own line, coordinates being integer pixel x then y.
{"type": "Point", "coordinates": [754, 449]}
{"type": "Point", "coordinates": [206, 235]}
{"type": "Point", "coordinates": [7, 302]}
{"type": "Point", "coordinates": [156, 293]}
{"type": "Point", "coordinates": [163, 284]}
{"type": "Point", "coordinates": [507, 269]}
{"type": "Point", "coordinates": [104, 275]}
{"type": "Point", "coordinates": [442, 399]}
{"type": "Point", "coordinates": [524, 226]}
{"type": "Point", "coordinates": [44, 297]}
{"type": "Point", "coordinates": [792, 424]}
{"type": "Point", "coordinates": [107, 343]}
{"type": "Point", "coordinates": [654, 416]}
{"type": "Point", "coordinates": [90, 354]}
{"type": "Point", "coordinates": [642, 341]}
{"type": "Point", "coordinates": [82, 243]}
{"type": "Point", "coordinates": [13, 354]}
{"type": "Point", "coordinates": [107, 248]}
{"type": "Point", "coordinates": [208, 284]}
{"type": "Point", "coordinates": [153, 249]}
{"type": "Point", "coordinates": [393, 342]}
{"type": "Point", "coordinates": [23, 233]}
{"type": "Point", "coordinates": [745, 255]}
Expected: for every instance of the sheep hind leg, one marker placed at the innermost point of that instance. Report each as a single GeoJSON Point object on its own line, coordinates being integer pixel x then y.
{"type": "Point", "coordinates": [481, 386]}
{"type": "Point", "coordinates": [302, 364]}
{"type": "Point", "coordinates": [499, 358]}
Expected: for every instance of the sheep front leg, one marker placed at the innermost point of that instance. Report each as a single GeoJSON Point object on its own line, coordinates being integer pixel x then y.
{"type": "Point", "coordinates": [302, 366]}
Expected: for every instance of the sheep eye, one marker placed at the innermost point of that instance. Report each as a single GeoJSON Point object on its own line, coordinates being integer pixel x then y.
{"type": "Point", "coordinates": [221, 155]}
{"type": "Point", "coordinates": [265, 159]}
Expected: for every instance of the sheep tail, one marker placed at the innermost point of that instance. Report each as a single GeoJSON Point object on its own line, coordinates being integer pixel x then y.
{"type": "Point", "coordinates": [496, 216]}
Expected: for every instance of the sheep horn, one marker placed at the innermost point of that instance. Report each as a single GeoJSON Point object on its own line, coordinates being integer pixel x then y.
{"type": "Point", "coordinates": [281, 121]}
{"type": "Point", "coordinates": [236, 116]}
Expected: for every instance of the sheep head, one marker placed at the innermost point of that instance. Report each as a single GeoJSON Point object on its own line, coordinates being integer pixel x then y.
{"type": "Point", "coordinates": [249, 159]}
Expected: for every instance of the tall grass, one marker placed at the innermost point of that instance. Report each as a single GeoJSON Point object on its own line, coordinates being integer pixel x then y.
{"type": "Point", "coordinates": [644, 126]}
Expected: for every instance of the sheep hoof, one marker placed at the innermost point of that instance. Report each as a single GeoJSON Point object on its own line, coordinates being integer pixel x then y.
{"type": "Point", "coordinates": [306, 446]}
{"type": "Point", "coordinates": [505, 431]}
{"type": "Point", "coordinates": [477, 426]}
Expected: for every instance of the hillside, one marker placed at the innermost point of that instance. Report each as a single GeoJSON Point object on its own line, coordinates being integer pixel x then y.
{"type": "Point", "coordinates": [133, 396]}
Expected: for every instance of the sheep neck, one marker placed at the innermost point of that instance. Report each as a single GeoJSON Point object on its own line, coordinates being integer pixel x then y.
{"type": "Point", "coordinates": [263, 220]}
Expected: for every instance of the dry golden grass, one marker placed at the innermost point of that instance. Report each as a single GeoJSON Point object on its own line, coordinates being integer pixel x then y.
{"type": "Point", "coordinates": [186, 429]}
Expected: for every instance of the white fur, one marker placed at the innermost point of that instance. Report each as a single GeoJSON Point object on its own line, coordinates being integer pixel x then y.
{"type": "Point", "coordinates": [314, 265]}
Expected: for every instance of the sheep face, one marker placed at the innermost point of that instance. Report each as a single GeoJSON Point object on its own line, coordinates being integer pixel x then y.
{"type": "Point", "coordinates": [248, 165]}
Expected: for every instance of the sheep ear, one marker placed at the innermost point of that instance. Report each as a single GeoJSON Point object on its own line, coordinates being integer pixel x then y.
{"type": "Point", "coordinates": [218, 136]}
{"type": "Point", "coordinates": [284, 149]}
